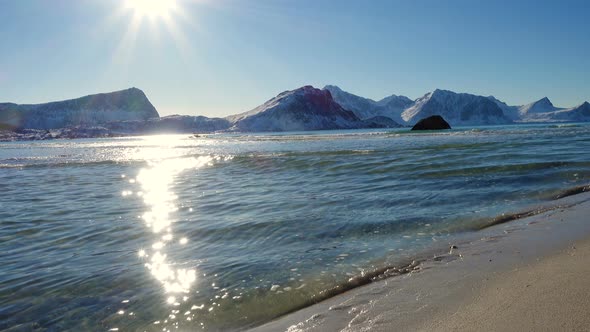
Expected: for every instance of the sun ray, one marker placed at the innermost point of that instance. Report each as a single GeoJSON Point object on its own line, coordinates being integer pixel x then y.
{"type": "Point", "coordinates": [159, 20]}
{"type": "Point", "coordinates": [124, 51]}
{"type": "Point", "coordinates": [180, 40]}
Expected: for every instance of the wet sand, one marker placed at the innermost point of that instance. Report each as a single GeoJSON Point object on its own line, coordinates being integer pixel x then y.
{"type": "Point", "coordinates": [531, 274]}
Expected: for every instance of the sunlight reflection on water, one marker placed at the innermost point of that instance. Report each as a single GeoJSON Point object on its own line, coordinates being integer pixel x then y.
{"type": "Point", "coordinates": [290, 217]}
{"type": "Point", "coordinates": [154, 185]}
{"type": "Point", "coordinates": [156, 181]}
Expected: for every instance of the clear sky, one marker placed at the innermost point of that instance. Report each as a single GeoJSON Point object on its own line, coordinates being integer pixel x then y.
{"type": "Point", "coordinates": [220, 57]}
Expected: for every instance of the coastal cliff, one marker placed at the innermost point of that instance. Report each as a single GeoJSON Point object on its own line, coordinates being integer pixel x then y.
{"type": "Point", "coordinates": [88, 111]}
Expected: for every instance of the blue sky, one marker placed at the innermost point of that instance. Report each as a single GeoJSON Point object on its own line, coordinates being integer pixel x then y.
{"type": "Point", "coordinates": [220, 57]}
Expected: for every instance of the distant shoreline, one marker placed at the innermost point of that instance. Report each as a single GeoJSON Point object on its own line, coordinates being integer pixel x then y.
{"type": "Point", "coordinates": [81, 132]}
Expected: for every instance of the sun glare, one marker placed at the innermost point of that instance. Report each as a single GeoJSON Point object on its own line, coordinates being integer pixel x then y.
{"type": "Point", "coordinates": [154, 17]}
{"type": "Point", "coordinates": [152, 8]}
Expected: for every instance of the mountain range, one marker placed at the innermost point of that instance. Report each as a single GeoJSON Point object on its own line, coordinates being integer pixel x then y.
{"type": "Point", "coordinates": [459, 109]}
{"type": "Point", "coordinates": [129, 112]}
{"type": "Point", "coordinates": [543, 110]}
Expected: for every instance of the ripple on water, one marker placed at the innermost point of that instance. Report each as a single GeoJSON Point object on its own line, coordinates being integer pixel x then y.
{"type": "Point", "coordinates": [159, 232]}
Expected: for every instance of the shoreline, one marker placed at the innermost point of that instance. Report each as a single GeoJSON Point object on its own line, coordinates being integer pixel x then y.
{"type": "Point", "coordinates": [436, 292]}
{"type": "Point", "coordinates": [103, 131]}
{"type": "Point", "coordinates": [548, 295]}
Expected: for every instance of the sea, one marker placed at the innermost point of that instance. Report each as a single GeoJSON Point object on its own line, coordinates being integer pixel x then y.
{"type": "Point", "coordinates": [229, 231]}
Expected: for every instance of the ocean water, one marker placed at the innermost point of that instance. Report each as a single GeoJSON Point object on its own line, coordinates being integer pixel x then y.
{"type": "Point", "coordinates": [226, 232]}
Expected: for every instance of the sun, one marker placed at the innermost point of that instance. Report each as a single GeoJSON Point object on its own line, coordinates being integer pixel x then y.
{"type": "Point", "coordinates": [152, 8]}
{"type": "Point", "coordinates": [152, 18]}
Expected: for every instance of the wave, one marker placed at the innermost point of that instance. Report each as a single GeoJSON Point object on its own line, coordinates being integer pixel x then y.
{"type": "Point", "coordinates": [565, 125]}
{"type": "Point", "coordinates": [414, 264]}
{"type": "Point", "coordinates": [62, 161]}
{"type": "Point", "coordinates": [554, 203]}
{"type": "Point", "coordinates": [358, 281]}
{"type": "Point", "coordinates": [63, 164]}
{"type": "Point", "coordinates": [572, 191]}
{"type": "Point", "coordinates": [504, 168]}
{"type": "Point", "coordinates": [303, 136]}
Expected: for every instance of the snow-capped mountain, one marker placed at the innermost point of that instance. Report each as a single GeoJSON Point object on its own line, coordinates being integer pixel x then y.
{"type": "Point", "coordinates": [546, 113]}
{"type": "Point", "coordinates": [365, 108]}
{"type": "Point", "coordinates": [543, 110]}
{"type": "Point", "coordinates": [579, 113]}
{"type": "Point", "coordinates": [457, 108]}
{"type": "Point", "coordinates": [92, 110]}
{"type": "Point", "coordinates": [129, 112]}
{"type": "Point", "coordinates": [306, 108]}
{"type": "Point", "coordinates": [543, 105]}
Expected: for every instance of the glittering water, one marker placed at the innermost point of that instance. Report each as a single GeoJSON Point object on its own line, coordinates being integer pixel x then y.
{"type": "Point", "coordinates": [229, 231]}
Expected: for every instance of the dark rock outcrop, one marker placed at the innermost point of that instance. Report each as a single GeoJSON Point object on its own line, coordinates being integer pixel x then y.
{"type": "Point", "coordinates": [435, 122]}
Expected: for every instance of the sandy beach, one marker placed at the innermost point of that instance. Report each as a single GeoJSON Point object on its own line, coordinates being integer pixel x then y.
{"type": "Point", "coordinates": [526, 275]}
{"type": "Point", "coordinates": [552, 294]}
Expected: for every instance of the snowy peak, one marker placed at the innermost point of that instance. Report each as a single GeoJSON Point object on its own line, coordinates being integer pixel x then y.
{"type": "Point", "coordinates": [456, 108]}
{"type": "Point", "coordinates": [579, 113]}
{"type": "Point", "coordinates": [306, 108]}
{"type": "Point", "coordinates": [365, 108]}
{"type": "Point", "coordinates": [316, 98]}
{"type": "Point", "coordinates": [91, 110]}
{"type": "Point", "coordinates": [306, 90]}
{"type": "Point", "coordinates": [333, 88]}
{"type": "Point", "coordinates": [396, 101]}
{"type": "Point", "coordinates": [441, 93]}
{"type": "Point", "coordinates": [543, 105]}
{"type": "Point", "coordinates": [585, 107]}
{"type": "Point", "coordinates": [545, 101]}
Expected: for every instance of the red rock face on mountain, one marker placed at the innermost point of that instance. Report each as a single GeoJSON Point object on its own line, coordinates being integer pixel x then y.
{"type": "Point", "coordinates": [306, 108]}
